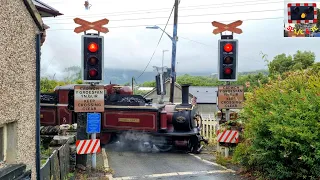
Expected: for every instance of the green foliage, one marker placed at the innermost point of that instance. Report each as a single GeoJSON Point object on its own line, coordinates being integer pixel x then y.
{"type": "Point", "coordinates": [254, 78]}
{"type": "Point", "coordinates": [139, 92]}
{"type": "Point", "coordinates": [198, 80]}
{"type": "Point", "coordinates": [282, 63]}
{"type": "Point", "coordinates": [47, 85]}
{"type": "Point", "coordinates": [282, 128]}
{"type": "Point", "coordinates": [149, 84]}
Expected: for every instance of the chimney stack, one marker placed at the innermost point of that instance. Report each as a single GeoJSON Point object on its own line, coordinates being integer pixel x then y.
{"type": "Point", "coordinates": [185, 94]}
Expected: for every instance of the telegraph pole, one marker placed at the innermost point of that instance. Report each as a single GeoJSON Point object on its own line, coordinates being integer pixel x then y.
{"type": "Point", "coordinates": [174, 48]}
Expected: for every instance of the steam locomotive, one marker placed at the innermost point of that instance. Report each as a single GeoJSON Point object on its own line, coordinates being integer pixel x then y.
{"type": "Point", "coordinates": [167, 126]}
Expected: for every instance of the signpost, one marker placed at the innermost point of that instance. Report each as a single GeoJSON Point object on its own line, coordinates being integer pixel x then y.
{"type": "Point", "coordinates": [86, 25]}
{"type": "Point", "coordinates": [93, 127]}
{"type": "Point", "coordinates": [227, 27]}
{"type": "Point", "coordinates": [230, 97]}
{"type": "Point", "coordinates": [88, 98]}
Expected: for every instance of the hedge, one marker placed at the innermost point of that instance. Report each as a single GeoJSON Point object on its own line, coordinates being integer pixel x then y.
{"type": "Point", "coordinates": [282, 128]}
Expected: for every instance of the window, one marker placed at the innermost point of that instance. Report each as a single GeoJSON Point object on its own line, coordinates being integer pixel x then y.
{"type": "Point", "coordinates": [11, 142]}
{"type": "Point", "coordinates": [8, 142]}
{"type": "Point", "coordinates": [1, 144]}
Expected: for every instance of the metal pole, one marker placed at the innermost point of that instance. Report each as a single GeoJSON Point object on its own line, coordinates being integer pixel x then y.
{"type": "Point", "coordinates": [174, 47]}
{"type": "Point", "coordinates": [227, 119]}
{"type": "Point", "coordinates": [38, 51]}
{"type": "Point", "coordinates": [94, 155]}
{"type": "Point", "coordinates": [161, 77]}
{"type": "Point", "coordinates": [132, 84]}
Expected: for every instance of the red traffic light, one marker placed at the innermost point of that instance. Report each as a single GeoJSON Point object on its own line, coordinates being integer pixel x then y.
{"type": "Point", "coordinates": [228, 71]}
{"type": "Point", "coordinates": [93, 72]}
{"type": "Point", "coordinates": [228, 47]}
{"type": "Point", "coordinates": [93, 61]}
{"type": "Point", "coordinates": [93, 47]}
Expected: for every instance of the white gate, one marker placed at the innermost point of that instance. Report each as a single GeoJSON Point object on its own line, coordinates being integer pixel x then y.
{"type": "Point", "coordinates": [210, 125]}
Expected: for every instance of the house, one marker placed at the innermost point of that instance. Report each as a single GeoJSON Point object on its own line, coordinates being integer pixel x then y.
{"type": "Point", "coordinates": [177, 94]}
{"type": "Point", "coordinates": [206, 98]}
{"type": "Point", "coordinates": [20, 24]}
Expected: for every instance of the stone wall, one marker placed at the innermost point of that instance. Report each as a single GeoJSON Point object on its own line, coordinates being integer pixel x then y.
{"type": "Point", "coordinates": [17, 78]}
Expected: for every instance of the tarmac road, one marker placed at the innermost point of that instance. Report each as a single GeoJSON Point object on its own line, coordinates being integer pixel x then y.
{"type": "Point", "coordinates": [134, 163]}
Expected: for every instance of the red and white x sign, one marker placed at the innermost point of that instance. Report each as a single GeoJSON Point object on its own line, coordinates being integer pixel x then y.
{"type": "Point", "coordinates": [86, 25]}
{"type": "Point", "coordinates": [227, 27]}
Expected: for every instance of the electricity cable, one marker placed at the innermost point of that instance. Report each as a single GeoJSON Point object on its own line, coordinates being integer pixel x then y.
{"type": "Point", "coordinates": [160, 10]}
{"type": "Point", "coordinates": [157, 43]}
{"type": "Point", "coordinates": [241, 12]}
{"type": "Point", "coordinates": [204, 22]}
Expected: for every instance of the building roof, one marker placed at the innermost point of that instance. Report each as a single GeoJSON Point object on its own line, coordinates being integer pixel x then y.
{"type": "Point", "coordinates": [204, 94]}
{"type": "Point", "coordinates": [45, 10]}
{"type": "Point", "coordinates": [38, 9]}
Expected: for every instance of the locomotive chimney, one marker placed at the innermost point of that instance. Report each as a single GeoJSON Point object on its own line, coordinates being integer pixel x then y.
{"type": "Point", "coordinates": [185, 94]}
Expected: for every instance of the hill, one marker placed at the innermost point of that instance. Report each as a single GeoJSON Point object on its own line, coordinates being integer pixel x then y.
{"type": "Point", "coordinates": [122, 76]}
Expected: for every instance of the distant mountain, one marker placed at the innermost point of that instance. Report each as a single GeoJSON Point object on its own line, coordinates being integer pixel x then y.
{"type": "Point", "coordinates": [122, 76]}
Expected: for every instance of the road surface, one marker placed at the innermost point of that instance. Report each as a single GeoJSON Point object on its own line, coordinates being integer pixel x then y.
{"type": "Point", "coordinates": [133, 163]}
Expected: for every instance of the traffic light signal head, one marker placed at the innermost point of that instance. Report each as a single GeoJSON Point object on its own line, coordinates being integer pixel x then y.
{"type": "Point", "coordinates": [302, 13]}
{"type": "Point", "coordinates": [92, 58]}
{"type": "Point", "coordinates": [227, 60]}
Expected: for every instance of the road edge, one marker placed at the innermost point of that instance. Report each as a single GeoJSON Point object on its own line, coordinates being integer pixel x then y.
{"type": "Point", "coordinates": [212, 163]}
{"type": "Point", "coordinates": [106, 163]}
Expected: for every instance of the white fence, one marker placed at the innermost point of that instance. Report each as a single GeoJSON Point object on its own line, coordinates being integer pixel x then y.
{"type": "Point", "coordinates": [210, 125]}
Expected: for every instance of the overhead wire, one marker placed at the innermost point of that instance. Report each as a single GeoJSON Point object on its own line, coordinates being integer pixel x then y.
{"type": "Point", "coordinates": [157, 44]}
{"type": "Point", "coordinates": [190, 15]}
{"type": "Point", "coordinates": [149, 11]}
{"type": "Point", "coordinates": [203, 22]}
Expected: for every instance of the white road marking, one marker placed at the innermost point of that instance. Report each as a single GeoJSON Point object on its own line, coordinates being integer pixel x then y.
{"type": "Point", "coordinates": [212, 163]}
{"type": "Point", "coordinates": [174, 174]}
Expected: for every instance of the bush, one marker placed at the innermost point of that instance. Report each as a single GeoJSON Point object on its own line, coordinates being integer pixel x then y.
{"type": "Point", "coordinates": [282, 128]}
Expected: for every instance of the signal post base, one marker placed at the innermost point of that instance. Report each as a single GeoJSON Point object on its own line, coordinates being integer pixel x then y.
{"type": "Point", "coordinates": [83, 162]}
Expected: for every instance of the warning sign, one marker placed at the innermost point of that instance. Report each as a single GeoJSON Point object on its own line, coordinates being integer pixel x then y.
{"type": "Point", "coordinates": [230, 97]}
{"type": "Point", "coordinates": [88, 98]}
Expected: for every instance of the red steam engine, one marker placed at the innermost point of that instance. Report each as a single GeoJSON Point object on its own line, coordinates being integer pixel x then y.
{"type": "Point", "coordinates": [166, 125]}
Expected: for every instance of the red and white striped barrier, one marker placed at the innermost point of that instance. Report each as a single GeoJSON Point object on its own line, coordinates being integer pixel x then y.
{"type": "Point", "coordinates": [88, 146]}
{"type": "Point", "coordinates": [228, 136]}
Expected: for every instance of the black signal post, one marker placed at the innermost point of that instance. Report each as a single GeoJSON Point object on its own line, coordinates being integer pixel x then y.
{"type": "Point", "coordinates": [92, 58]}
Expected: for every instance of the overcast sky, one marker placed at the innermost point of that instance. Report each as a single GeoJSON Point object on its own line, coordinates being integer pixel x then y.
{"type": "Point", "coordinates": [131, 47]}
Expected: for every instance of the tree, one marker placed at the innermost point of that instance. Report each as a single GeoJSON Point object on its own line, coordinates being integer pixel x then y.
{"type": "Point", "coordinates": [282, 63]}
{"type": "Point", "coordinates": [47, 85]}
{"type": "Point", "coordinates": [303, 60]}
